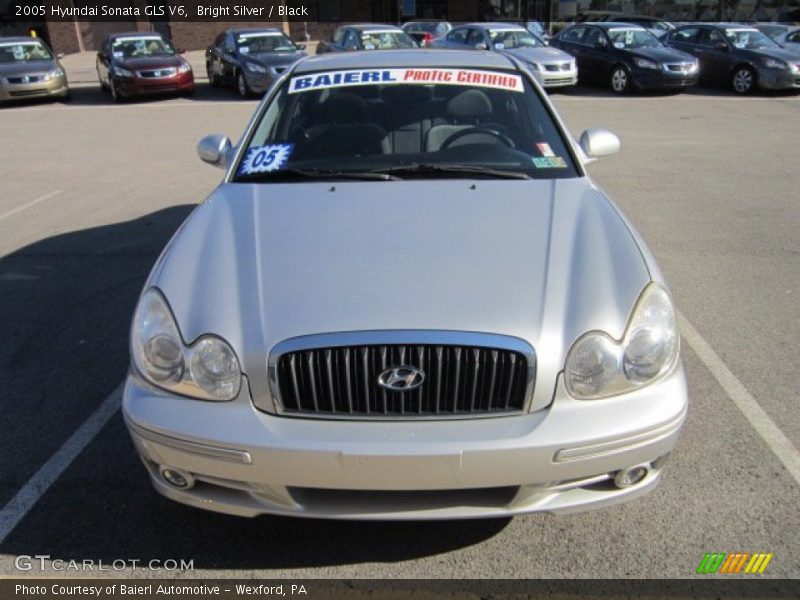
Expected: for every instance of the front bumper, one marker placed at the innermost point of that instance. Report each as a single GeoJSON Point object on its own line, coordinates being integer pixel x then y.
{"type": "Point", "coordinates": [775, 79]}
{"type": "Point", "coordinates": [246, 462]}
{"type": "Point", "coordinates": [556, 79]}
{"type": "Point", "coordinates": [657, 79]}
{"type": "Point", "coordinates": [54, 87]}
{"type": "Point", "coordinates": [183, 83]}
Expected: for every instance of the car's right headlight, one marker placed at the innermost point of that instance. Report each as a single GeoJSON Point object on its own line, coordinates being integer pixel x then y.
{"type": "Point", "coordinates": [774, 63]}
{"type": "Point", "coordinates": [534, 66]}
{"type": "Point", "coordinates": [207, 369]}
{"type": "Point", "coordinates": [255, 68]}
{"type": "Point", "coordinates": [598, 366]}
{"type": "Point", "coordinates": [643, 63]}
{"type": "Point", "coordinates": [120, 72]}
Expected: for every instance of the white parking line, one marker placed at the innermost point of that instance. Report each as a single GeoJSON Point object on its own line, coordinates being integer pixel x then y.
{"type": "Point", "coordinates": [744, 401]}
{"type": "Point", "coordinates": [19, 209]}
{"type": "Point", "coordinates": [36, 486]}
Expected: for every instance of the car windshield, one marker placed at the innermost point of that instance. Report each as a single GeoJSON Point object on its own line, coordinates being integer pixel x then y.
{"type": "Point", "coordinates": [405, 123]}
{"type": "Point", "coordinates": [626, 38]}
{"type": "Point", "coordinates": [513, 38]}
{"type": "Point", "coordinates": [385, 39]}
{"type": "Point", "coordinates": [773, 31]}
{"type": "Point", "coordinates": [264, 41]}
{"type": "Point", "coordinates": [749, 39]}
{"type": "Point", "coordinates": [14, 52]}
{"type": "Point", "coordinates": [141, 47]}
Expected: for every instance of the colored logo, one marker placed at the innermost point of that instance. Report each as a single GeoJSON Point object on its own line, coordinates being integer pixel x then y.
{"type": "Point", "coordinates": [736, 562]}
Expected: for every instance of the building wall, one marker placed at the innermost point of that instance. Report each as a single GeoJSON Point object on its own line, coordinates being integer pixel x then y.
{"type": "Point", "coordinates": [196, 36]}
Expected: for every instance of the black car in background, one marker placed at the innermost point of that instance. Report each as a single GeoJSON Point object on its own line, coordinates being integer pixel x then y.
{"type": "Point", "coordinates": [739, 56]}
{"type": "Point", "coordinates": [626, 57]}
{"type": "Point", "coordinates": [366, 36]}
{"type": "Point", "coordinates": [250, 59]}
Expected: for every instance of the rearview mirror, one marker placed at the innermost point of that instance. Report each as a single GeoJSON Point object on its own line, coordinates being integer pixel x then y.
{"type": "Point", "coordinates": [597, 143]}
{"type": "Point", "coordinates": [215, 149]}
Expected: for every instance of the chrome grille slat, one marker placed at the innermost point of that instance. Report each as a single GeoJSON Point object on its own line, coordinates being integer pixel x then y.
{"type": "Point", "coordinates": [460, 381]}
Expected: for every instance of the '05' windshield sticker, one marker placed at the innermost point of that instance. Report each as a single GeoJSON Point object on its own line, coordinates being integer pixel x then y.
{"type": "Point", "coordinates": [263, 159]}
{"type": "Point", "coordinates": [550, 162]}
{"type": "Point", "coordinates": [463, 77]}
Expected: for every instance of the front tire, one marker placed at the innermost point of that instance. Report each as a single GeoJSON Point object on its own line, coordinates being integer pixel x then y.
{"type": "Point", "coordinates": [213, 80]}
{"type": "Point", "coordinates": [241, 86]}
{"type": "Point", "coordinates": [620, 80]}
{"type": "Point", "coordinates": [743, 80]}
{"type": "Point", "coordinates": [112, 87]}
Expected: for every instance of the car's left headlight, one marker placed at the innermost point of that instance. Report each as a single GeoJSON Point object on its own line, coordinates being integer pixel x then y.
{"type": "Point", "coordinates": [57, 72]}
{"type": "Point", "coordinates": [773, 63]}
{"type": "Point", "coordinates": [598, 366]}
{"type": "Point", "coordinates": [207, 369]}
{"type": "Point", "coordinates": [255, 68]}
{"type": "Point", "coordinates": [643, 63]}
{"type": "Point", "coordinates": [185, 68]}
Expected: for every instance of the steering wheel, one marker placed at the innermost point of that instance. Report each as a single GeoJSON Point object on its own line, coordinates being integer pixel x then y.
{"type": "Point", "coordinates": [478, 130]}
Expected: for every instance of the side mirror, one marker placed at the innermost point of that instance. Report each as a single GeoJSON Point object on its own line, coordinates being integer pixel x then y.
{"type": "Point", "coordinates": [600, 45]}
{"type": "Point", "coordinates": [215, 149]}
{"type": "Point", "coordinates": [721, 46]}
{"type": "Point", "coordinates": [60, 55]}
{"type": "Point", "coordinates": [181, 50]}
{"type": "Point", "coordinates": [597, 143]}
{"type": "Point", "coordinates": [481, 46]}
{"type": "Point", "coordinates": [301, 46]}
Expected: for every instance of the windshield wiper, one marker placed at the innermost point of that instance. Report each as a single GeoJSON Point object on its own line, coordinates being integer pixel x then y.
{"type": "Point", "coordinates": [445, 169]}
{"type": "Point", "coordinates": [325, 174]}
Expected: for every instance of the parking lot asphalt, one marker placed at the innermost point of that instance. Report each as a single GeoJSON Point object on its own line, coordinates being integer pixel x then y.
{"type": "Point", "coordinates": [92, 192]}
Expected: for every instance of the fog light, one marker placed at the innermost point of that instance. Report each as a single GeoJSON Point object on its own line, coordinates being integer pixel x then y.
{"type": "Point", "coordinates": [630, 476]}
{"type": "Point", "coordinates": [176, 478]}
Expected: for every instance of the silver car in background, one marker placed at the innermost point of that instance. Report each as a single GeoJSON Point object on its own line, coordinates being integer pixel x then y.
{"type": "Point", "coordinates": [28, 69]}
{"type": "Point", "coordinates": [406, 300]}
{"type": "Point", "coordinates": [552, 67]}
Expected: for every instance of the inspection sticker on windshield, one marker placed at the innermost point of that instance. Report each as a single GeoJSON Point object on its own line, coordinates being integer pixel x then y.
{"type": "Point", "coordinates": [464, 77]}
{"type": "Point", "coordinates": [544, 149]}
{"type": "Point", "coordinates": [550, 162]}
{"type": "Point", "coordinates": [263, 159]}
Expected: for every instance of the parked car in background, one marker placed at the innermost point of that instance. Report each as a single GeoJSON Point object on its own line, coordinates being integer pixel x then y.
{"type": "Point", "coordinates": [250, 59]}
{"type": "Point", "coordinates": [739, 56]}
{"type": "Point", "coordinates": [366, 36]}
{"type": "Point", "coordinates": [425, 32]}
{"type": "Point", "coordinates": [28, 69]}
{"type": "Point", "coordinates": [626, 57]}
{"type": "Point", "coordinates": [658, 27]}
{"type": "Point", "coordinates": [552, 67]}
{"type": "Point", "coordinates": [406, 299]}
{"type": "Point", "coordinates": [786, 36]}
{"type": "Point", "coordinates": [142, 64]}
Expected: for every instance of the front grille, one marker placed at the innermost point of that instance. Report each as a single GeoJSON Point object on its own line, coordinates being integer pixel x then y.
{"type": "Point", "coordinates": [555, 67]}
{"type": "Point", "coordinates": [25, 79]}
{"type": "Point", "coordinates": [679, 67]}
{"type": "Point", "coordinates": [158, 73]}
{"type": "Point", "coordinates": [458, 381]}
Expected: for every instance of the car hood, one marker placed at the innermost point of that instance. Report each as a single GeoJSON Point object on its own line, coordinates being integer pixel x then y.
{"type": "Point", "coordinates": [151, 62]}
{"type": "Point", "coordinates": [663, 55]}
{"type": "Point", "coordinates": [544, 261]}
{"type": "Point", "coordinates": [23, 68]}
{"type": "Point", "coordinates": [781, 53]}
{"type": "Point", "coordinates": [543, 54]}
{"type": "Point", "coordinates": [274, 59]}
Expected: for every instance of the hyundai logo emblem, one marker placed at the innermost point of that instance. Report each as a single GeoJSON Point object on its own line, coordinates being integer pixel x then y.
{"type": "Point", "coordinates": [401, 379]}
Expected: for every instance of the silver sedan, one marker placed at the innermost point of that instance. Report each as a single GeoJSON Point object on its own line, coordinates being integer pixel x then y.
{"type": "Point", "coordinates": [406, 300]}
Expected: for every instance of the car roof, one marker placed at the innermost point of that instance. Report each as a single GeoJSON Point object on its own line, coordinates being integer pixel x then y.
{"type": "Point", "coordinates": [417, 57]}
{"type": "Point", "coordinates": [614, 25]}
{"type": "Point", "coordinates": [495, 26]}
{"type": "Point", "coordinates": [372, 27]}
{"type": "Point", "coordinates": [20, 38]}
{"type": "Point", "coordinates": [255, 30]}
{"type": "Point", "coordinates": [134, 34]}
